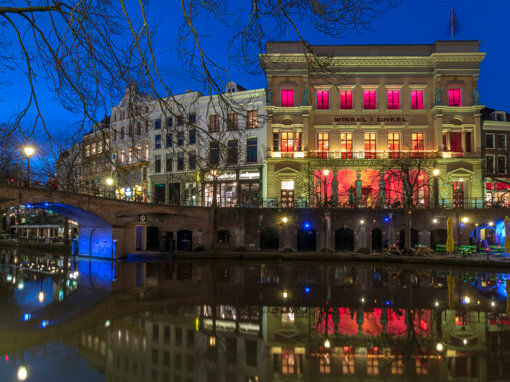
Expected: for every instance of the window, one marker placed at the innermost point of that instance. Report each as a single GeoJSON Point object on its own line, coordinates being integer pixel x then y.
{"type": "Point", "coordinates": [322, 99]}
{"type": "Point", "coordinates": [323, 145]}
{"type": "Point", "coordinates": [394, 145]}
{"type": "Point", "coordinates": [489, 141]}
{"type": "Point", "coordinates": [348, 366]}
{"type": "Point", "coordinates": [168, 140]}
{"type": "Point", "coordinates": [324, 364]}
{"type": "Point", "coordinates": [276, 141]}
{"type": "Point", "coordinates": [422, 367]}
{"type": "Point", "coordinates": [288, 318]}
{"type": "Point", "coordinates": [223, 236]}
{"type": "Point", "coordinates": [417, 99]}
{"type": "Point", "coordinates": [146, 127]}
{"type": "Point", "coordinates": [122, 133]}
{"type": "Point", "coordinates": [169, 122]}
{"type": "Point", "coordinates": [251, 352]}
{"type": "Point", "coordinates": [157, 163]}
{"type": "Point", "coordinates": [214, 123]}
{"type": "Point", "coordinates": [346, 145]}
{"type": "Point", "coordinates": [501, 164]}
{"type": "Point", "coordinates": [157, 141]}
{"type": "Point", "coordinates": [454, 97]}
{"type": "Point", "coordinates": [231, 352]}
{"type": "Point", "coordinates": [370, 146]}
{"type": "Point", "coordinates": [467, 141]}
{"type": "Point", "coordinates": [166, 335]}
{"type": "Point", "coordinates": [251, 150]}
{"type": "Point", "coordinates": [287, 98]}
{"type": "Point", "coordinates": [192, 118]}
{"type": "Point", "coordinates": [180, 138]}
{"type": "Point", "coordinates": [180, 121]}
{"type": "Point", "coordinates": [192, 160]}
{"type": "Point", "coordinates": [298, 141]}
{"type": "Point", "coordinates": [130, 131]}
{"type": "Point", "coordinates": [214, 152]}
{"type": "Point", "coordinates": [99, 147]}
{"type": "Point", "coordinates": [192, 136]}
{"type": "Point", "coordinates": [346, 99]}
{"type": "Point", "coordinates": [417, 145]}
{"type": "Point", "coordinates": [180, 161]}
{"type": "Point", "coordinates": [232, 121]}
{"type": "Point", "coordinates": [178, 335]}
{"type": "Point", "coordinates": [169, 160]}
{"type": "Point", "coordinates": [93, 149]}
{"type": "Point", "coordinates": [122, 156]}
{"type": "Point", "coordinates": [393, 99]}
{"type": "Point", "coordinates": [372, 361]}
{"type": "Point", "coordinates": [291, 363]}
{"type": "Point", "coordinates": [369, 99]}
{"type": "Point", "coordinates": [232, 152]}
{"type": "Point", "coordinates": [501, 142]}
{"type": "Point", "coordinates": [456, 142]}
{"type": "Point", "coordinates": [397, 365]}
{"type": "Point", "coordinates": [287, 139]}
{"type": "Point", "coordinates": [252, 119]}
{"type": "Point", "coordinates": [87, 150]}
{"type": "Point", "coordinates": [138, 128]}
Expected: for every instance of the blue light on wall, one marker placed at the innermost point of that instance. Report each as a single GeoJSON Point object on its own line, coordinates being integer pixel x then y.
{"type": "Point", "coordinates": [27, 316]}
{"type": "Point", "coordinates": [44, 323]}
{"type": "Point", "coordinates": [307, 225]}
{"type": "Point", "coordinates": [386, 219]}
{"type": "Point", "coordinates": [307, 289]}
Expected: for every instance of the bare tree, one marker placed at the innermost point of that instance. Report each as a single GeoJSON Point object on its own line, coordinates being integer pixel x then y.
{"type": "Point", "coordinates": [406, 181]}
{"type": "Point", "coordinates": [11, 159]}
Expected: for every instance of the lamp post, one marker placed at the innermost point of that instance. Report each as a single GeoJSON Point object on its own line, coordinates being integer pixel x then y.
{"type": "Point", "coordinates": [29, 150]}
{"type": "Point", "coordinates": [109, 182]}
{"type": "Point", "coordinates": [435, 172]}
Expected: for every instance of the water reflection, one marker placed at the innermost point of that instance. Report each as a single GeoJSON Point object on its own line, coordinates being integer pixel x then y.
{"type": "Point", "coordinates": [183, 321]}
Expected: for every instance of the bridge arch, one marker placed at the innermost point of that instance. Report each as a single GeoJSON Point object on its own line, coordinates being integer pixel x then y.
{"type": "Point", "coordinates": [95, 233]}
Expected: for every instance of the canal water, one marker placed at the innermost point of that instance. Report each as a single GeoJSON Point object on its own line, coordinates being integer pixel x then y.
{"type": "Point", "coordinates": [90, 320]}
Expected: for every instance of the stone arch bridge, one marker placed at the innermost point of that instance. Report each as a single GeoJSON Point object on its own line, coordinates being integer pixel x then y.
{"type": "Point", "coordinates": [108, 227]}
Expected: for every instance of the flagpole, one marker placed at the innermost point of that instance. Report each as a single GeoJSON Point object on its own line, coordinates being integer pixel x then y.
{"type": "Point", "coordinates": [452, 21]}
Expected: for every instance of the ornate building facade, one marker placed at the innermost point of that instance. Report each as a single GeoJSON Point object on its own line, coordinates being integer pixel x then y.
{"type": "Point", "coordinates": [339, 116]}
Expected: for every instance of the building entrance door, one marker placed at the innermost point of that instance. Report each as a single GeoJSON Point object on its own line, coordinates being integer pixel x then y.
{"type": "Point", "coordinates": [458, 194]}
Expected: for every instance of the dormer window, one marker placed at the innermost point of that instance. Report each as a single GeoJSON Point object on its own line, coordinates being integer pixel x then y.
{"type": "Point", "coordinates": [454, 97]}
{"type": "Point", "coordinates": [498, 116]}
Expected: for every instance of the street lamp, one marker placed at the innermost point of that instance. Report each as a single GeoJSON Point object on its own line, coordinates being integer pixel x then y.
{"type": "Point", "coordinates": [435, 172]}
{"type": "Point", "coordinates": [29, 151]}
{"type": "Point", "coordinates": [109, 183]}
{"type": "Point", "coordinates": [22, 373]}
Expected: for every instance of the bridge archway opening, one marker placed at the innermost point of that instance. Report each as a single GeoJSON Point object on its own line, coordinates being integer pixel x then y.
{"type": "Point", "coordinates": [95, 233]}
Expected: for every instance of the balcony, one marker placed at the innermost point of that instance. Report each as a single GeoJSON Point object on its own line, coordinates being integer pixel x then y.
{"type": "Point", "coordinates": [376, 154]}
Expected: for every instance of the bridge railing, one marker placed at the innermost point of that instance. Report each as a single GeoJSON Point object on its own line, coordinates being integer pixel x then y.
{"type": "Point", "coordinates": [252, 201]}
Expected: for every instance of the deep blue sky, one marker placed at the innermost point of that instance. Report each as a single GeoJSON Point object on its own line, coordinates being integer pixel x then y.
{"type": "Point", "coordinates": [415, 21]}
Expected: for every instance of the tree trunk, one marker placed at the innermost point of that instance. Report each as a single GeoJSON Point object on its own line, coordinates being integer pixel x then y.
{"type": "Point", "coordinates": [408, 235]}
{"type": "Point", "coordinates": [213, 210]}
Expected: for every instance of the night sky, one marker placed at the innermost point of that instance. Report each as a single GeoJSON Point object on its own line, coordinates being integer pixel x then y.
{"type": "Point", "coordinates": [414, 21]}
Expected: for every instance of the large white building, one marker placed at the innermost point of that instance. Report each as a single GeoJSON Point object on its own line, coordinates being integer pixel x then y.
{"type": "Point", "coordinates": [196, 142]}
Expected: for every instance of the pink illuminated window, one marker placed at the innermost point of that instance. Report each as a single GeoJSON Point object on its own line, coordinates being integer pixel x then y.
{"type": "Point", "coordinates": [369, 99]}
{"type": "Point", "coordinates": [393, 99]}
{"type": "Point", "coordinates": [322, 99]}
{"type": "Point", "coordinates": [346, 99]}
{"type": "Point", "coordinates": [287, 98]}
{"type": "Point", "coordinates": [417, 99]}
{"type": "Point", "coordinates": [454, 97]}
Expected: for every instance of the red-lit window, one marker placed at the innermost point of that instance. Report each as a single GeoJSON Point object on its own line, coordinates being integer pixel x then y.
{"type": "Point", "coordinates": [454, 97]}
{"type": "Point", "coordinates": [370, 146]}
{"type": "Point", "coordinates": [394, 145]}
{"type": "Point", "coordinates": [287, 142]}
{"type": "Point", "coordinates": [422, 367]}
{"type": "Point", "coordinates": [456, 142]}
{"type": "Point", "coordinates": [417, 99]}
{"type": "Point", "coordinates": [369, 99]}
{"type": "Point", "coordinates": [322, 99]}
{"type": "Point", "coordinates": [346, 99]}
{"type": "Point", "coordinates": [323, 145]}
{"type": "Point", "coordinates": [346, 145]}
{"type": "Point", "coordinates": [417, 145]}
{"type": "Point", "coordinates": [393, 99]}
{"type": "Point", "coordinates": [287, 98]}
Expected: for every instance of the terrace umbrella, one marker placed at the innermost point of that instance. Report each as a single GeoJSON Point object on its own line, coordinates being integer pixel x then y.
{"type": "Point", "coordinates": [450, 243]}
{"type": "Point", "coordinates": [507, 234]}
{"type": "Point", "coordinates": [450, 279]}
